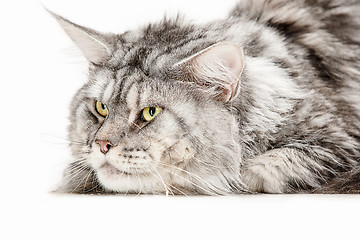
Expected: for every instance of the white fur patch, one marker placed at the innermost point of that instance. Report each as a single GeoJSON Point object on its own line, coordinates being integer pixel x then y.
{"type": "Point", "coordinates": [109, 89]}
{"type": "Point", "coordinates": [100, 87]}
{"type": "Point", "coordinates": [131, 101]}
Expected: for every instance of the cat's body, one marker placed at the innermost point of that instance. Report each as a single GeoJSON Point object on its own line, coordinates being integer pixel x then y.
{"type": "Point", "coordinates": [264, 101]}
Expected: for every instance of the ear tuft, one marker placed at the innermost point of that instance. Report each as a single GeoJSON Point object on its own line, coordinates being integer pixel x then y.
{"type": "Point", "coordinates": [217, 68]}
{"type": "Point", "coordinates": [93, 45]}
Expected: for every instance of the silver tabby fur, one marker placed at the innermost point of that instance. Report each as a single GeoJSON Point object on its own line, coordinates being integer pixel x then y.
{"type": "Point", "coordinates": [293, 126]}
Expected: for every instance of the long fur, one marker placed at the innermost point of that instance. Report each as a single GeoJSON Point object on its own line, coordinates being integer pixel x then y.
{"type": "Point", "coordinates": [294, 125]}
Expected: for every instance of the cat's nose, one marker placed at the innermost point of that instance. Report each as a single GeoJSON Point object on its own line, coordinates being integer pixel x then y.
{"type": "Point", "coordinates": [104, 145]}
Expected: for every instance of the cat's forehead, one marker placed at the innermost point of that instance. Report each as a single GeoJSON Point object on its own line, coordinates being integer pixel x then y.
{"type": "Point", "coordinates": [105, 82]}
{"type": "Point", "coordinates": [156, 47]}
{"type": "Point", "coordinates": [143, 57]}
{"type": "Point", "coordinates": [124, 86]}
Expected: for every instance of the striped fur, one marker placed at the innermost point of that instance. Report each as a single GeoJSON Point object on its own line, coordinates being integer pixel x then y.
{"type": "Point", "coordinates": [293, 124]}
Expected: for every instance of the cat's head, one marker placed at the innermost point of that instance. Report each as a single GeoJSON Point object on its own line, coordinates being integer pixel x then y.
{"type": "Point", "coordinates": [155, 115]}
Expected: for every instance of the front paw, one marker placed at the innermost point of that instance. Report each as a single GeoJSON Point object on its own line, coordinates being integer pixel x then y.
{"type": "Point", "coordinates": [262, 174]}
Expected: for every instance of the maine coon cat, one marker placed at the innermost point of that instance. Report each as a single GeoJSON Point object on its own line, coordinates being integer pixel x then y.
{"type": "Point", "coordinates": [266, 100]}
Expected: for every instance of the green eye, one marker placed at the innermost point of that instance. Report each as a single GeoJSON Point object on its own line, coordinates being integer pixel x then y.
{"type": "Point", "coordinates": [101, 109]}
{"type": "Point", "coordinates": [149, 113]}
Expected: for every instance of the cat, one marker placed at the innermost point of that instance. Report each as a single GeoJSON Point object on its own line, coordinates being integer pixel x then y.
{"type": "Point", "coordinates": [266, 100]}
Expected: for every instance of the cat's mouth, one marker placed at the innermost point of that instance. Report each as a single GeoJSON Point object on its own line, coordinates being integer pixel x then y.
{"type": "Point", "coordinates": [111, 170]}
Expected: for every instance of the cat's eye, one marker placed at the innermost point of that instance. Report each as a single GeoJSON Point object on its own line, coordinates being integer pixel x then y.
{"type": "Point", "coordinates": [101, 109]}
{"type": "Point", "coordinates": [149, 113]}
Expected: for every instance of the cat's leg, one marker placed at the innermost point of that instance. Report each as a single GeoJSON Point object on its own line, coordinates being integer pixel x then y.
{"type": "Point", "coordinates": [281, 170]}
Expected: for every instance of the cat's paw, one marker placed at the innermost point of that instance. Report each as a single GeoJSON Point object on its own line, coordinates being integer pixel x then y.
{"type": "Point", "coordinates": [264, 174]}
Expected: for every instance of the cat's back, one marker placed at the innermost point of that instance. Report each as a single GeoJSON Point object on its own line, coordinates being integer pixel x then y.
{"type": "Point", "coordinates": [324, 38]}
{"type": "Point", "coordinates": [329, 31]}
{"type": "Point", "coordinates": [296, 18]}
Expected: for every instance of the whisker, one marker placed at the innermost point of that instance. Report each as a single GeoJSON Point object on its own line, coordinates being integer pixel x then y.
{"type": "Point", "coordinates": [87, 178]}
{"type": "Point", "coordinates": [165, 187]}
{"type": "Point", "coordinates": [77, 164]}
{"type": "Point", "coordinates": [178, 190]}
{"type": "Point", "coordinates": [75, 169]}
{"type": "Point", "coordinates": [141, 185]}
{"type": "Point", "coordinates": [164, 183]}
{"type": "Point", "coordinates": [95, 186]}
{"type": "Point", "coordinates": [72, 175]}
{"type": "Point", "coordinates": [82, 179]}
{"type": "Point", "coordinates": [192, 183]}
{"type": "Point", "coordinates": [63, 138]}
{"type": "Point", "coordinates": [187, 172]}
{"type": "Point", "coordinates": [236, 187]}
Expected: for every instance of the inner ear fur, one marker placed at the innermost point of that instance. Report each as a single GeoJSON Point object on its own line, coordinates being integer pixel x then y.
{"type": "Point", "coordinates": [217, 69]}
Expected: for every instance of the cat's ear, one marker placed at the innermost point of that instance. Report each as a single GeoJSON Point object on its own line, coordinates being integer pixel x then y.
{"type": "Point", "coordinates": [217, 68]}
{"type": "Point", "coordinates": [95, 46]}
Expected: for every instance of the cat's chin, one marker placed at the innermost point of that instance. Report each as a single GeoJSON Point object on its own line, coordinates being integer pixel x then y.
{"type": "Point", "coordinates": [112, 171]}
{"type": "Point", "coordinates": [113, 179]}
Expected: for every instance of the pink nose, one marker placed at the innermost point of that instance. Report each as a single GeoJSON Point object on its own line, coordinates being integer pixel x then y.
{"type": "Point", "coordinates": [104, 145]}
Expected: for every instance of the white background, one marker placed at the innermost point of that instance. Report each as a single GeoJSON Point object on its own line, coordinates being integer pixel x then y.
{"type": "Point", "coordinates": [41, 70]}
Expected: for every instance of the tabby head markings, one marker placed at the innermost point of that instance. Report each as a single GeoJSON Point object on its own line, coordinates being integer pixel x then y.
{"type": "Point", "coordinates": [156, 133]}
